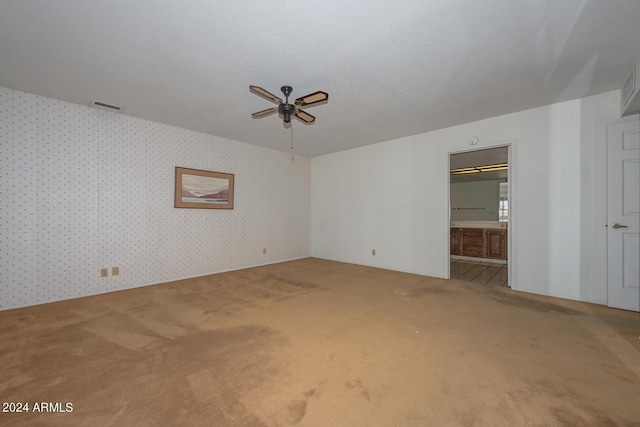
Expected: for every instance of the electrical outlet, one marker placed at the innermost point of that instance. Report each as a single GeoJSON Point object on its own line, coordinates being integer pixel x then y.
{"type": "Point", "coordinates": [264, 250]}
{"type": "Point", "coordinates": [104, 272]}
{"type": "Point", "coordinates": [115, 271]}
{"type": "Point", "coordinates": [373, 252]}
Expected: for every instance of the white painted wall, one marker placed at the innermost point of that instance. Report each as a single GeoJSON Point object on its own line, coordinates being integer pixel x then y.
{"type": "Point", "coordinates": [393, 197]}
{"type": "Point", "coordinates": [82, 189]}
{"type": "Point", "coordinates": [475, 200]}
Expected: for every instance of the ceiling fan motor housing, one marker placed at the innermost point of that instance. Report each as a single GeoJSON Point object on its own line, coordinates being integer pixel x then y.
{"type": "Point", "coordinates": [286, 111]}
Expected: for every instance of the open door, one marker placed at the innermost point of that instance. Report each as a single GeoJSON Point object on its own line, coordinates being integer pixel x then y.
{"type": "Point", "coordinates": [623, 214]}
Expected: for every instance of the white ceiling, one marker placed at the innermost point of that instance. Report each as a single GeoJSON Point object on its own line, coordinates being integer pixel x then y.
{"type": "Point", "coordinates": [391, 68]}
{"type": "Point", "coordinates": [485, 157]}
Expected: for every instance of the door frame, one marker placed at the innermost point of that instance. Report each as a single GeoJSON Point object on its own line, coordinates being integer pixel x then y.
{"type": "Point", "coordinates": [511, 144]}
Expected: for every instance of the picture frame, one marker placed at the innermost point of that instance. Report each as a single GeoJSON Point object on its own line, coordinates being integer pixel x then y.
{"type": "Point", "coordinates": [201, 189]}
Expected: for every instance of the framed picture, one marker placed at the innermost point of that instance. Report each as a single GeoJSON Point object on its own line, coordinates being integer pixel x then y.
{"type": "Point", "coordinates": [203, 189]}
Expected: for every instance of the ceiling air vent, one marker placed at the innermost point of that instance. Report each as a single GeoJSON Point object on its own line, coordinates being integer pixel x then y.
{"type": "Point", "coordinates": [101, 105]}
{"type": "Point", "coordinates": [629, 97]}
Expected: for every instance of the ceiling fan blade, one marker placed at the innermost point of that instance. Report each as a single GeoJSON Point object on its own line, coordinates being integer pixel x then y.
{"type": "Point", "coordinates": [305, 117]}
{"type": "Point", "coordinates": [264, 113]}
{"type": "Point", "coordinates": [312, 99]}
{"type": "Point", "coordinates": [265, 94]}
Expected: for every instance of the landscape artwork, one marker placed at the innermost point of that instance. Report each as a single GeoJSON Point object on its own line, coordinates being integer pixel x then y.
{"type": "Point", "coordinates": [203, 189]}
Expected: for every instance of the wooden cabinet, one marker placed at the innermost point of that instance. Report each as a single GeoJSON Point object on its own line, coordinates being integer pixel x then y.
{"type": "Point", "coordinates": [496, 244]}
{"type": "Point", "coordinates": [454, 244]}
{"type": "Point", "coordinates": [479, 242]}
{"type": "Point", "coordinates": [473, 242]}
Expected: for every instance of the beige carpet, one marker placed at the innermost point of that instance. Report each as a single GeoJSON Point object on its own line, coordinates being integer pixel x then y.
{"type": "Point", "coordinates": [321, 343]}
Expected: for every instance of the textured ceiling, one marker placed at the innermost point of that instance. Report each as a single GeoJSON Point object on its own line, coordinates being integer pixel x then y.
{"type": "Point", "coordinates": [392, 68]}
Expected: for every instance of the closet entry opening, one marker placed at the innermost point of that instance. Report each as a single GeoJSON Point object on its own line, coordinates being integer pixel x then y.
{"type": "Point", "coordinates": [479, 216]}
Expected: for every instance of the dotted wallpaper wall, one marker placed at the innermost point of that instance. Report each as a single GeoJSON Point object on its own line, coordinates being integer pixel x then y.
{"type": "Point", "coordinates": [83, 189]}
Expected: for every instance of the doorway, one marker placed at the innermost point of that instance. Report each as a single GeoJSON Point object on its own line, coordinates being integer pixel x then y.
{"type": "Point", "coordinates": [481, 215]}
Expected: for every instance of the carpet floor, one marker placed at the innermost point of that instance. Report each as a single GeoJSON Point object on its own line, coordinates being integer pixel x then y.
{"type": "Point", "coordinates": [320, 343]}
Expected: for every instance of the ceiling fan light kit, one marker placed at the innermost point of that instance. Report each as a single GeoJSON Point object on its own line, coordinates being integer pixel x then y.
{"type": "Point", "coordinates": [286, 110]}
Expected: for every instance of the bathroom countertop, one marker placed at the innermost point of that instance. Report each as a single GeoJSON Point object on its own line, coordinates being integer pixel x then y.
{"type": "Point", "coordinates": [480, 224]}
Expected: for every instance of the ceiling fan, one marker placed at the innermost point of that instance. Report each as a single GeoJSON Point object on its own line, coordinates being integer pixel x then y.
{"type": "Point", "coordinates": [286, 110]}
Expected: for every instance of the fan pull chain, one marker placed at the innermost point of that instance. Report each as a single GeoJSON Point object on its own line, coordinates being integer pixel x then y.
{"type": "Point", "coordinates": [291, 142]}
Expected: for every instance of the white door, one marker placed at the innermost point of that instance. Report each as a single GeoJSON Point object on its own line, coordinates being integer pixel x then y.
{"type": "Point", "coordinates": [623, 144]}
